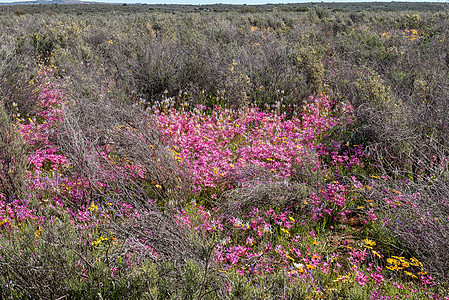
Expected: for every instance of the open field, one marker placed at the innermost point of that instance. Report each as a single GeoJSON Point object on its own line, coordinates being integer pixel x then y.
{"type": "Point", "coordinates": [295, 151]}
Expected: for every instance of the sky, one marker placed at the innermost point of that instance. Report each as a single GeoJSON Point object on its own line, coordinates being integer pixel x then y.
{"type": "Point", "coordinates": [249, 2]}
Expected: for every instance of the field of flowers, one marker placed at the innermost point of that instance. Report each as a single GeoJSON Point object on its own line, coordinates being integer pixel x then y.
{"type": "Point", "coordinates": [242, 192]}
{"type": "Point", "coordinates": [275, 202]}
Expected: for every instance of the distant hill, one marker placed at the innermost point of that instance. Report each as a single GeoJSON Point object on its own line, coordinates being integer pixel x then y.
{"type": "Point", "coordinates": [78, 6]}
{"type": "Point", "coordinates": [44, 2]}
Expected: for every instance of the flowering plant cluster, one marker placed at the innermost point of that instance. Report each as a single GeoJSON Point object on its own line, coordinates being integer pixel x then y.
{"type": "Point", "coordinates": [214, 142]}
{"type": "Point", "coordinates": [310, 240]}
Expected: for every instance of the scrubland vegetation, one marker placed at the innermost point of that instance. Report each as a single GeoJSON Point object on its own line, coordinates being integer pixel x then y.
{"type": "Point", "coordinates": [296, 153]}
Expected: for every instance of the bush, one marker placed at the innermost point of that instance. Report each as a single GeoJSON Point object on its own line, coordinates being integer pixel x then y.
{"type": "Point", "coordinates": [111, 144]}
{"type": "Point", "coordinates": [13, 160]}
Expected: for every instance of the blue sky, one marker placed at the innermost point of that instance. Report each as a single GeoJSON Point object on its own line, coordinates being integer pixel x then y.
{"type": "Point", "coordinates": [249, 2]}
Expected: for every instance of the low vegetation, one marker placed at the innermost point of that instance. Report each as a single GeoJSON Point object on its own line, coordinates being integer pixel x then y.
{"type": "Point", "coordinates": [269, 152]}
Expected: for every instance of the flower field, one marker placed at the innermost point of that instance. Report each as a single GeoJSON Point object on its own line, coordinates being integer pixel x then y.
{"type": "Point", "coordinates": [239, 193]}
{"type": "Point", "coordinates": [270, 196]}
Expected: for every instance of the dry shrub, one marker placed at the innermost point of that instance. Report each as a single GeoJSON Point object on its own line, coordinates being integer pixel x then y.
{"type": "Point", "coordinates": [276, 195]}
{"type": "Point", "coordinates": [139, 257]}
{"type": "Point", "coordinates": [138, 166]}
{"type": "Point", "coordinates": [174, 250]}
{"type": "Point", "coordinates": [155, 186]}
{"type": "Point", "coordinates": [312, 67]}
{"type": "Point", "coordinates": [418, 209]}
{"type": "Point", "coordinates": [16, 99]}
{"type": "Point", "coordinates": [421, 226]}
{"type": "Point", "coordinates": [32, 263]}
{"type": "Point", "coordinates": [13, 160]}
{"type": "Point", "coordinates": [261, 189]}
{"type": "Point", "coordinates": [18, 70]}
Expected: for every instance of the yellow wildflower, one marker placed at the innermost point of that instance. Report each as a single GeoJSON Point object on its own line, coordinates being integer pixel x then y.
{"type": "Point", "coordinates": [287, 233]}
{"type": "Point", "coordinates": [415, 262]}
{"type": "Point", "coordinates": [400, 258]}
{"type": "Point", "coordinates": [99, 241]}
{"type": "Point", "coordinates": [392, 261]}
{"type": "Point", "coordinates": [38, 231]}
{"type": "Point", "coordinates": [310, 267]}
{"type": "Point", "coordinates": [93, 207]}
{"type": "Point", "coordinates": [393, 268]}
{"type": "Point", "coordinates": [370, 242]}
{"type": "Point", "coordinates": [422, 273]}
{"type": "Point", "coordinates": [376, 253]}
{"type": "Point", "coordinates": [410, 274]}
